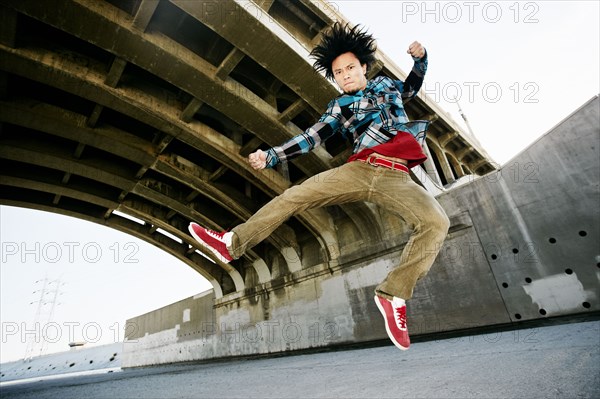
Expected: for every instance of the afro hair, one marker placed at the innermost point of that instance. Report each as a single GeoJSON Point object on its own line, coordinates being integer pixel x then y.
{"type": "Point", "coordinates": [342, 39]}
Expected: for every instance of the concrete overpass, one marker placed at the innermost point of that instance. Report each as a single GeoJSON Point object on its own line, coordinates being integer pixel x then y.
{"type": "Point", "coordinates": [139, 115]}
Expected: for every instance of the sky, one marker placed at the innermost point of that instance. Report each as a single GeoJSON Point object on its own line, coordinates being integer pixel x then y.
{"type": "Point", "coordinates": [516, 68]}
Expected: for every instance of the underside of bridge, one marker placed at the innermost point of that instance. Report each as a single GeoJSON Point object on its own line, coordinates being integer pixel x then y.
{"type": "Point", "coordinates": [139, 115]}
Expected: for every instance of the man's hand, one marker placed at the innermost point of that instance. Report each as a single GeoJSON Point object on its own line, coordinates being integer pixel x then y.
{"type": "Point", "coordinates": [416, 50]}
{"type": "Point", "coordinates": [258, 159]}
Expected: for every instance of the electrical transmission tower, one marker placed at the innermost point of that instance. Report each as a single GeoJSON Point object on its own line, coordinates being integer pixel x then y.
{"type": "Point", "coordinates": [46, 304]}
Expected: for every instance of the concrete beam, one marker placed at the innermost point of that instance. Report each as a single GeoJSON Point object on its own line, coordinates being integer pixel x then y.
{"type": "Point", "coordinates": [59, 190]}
{"type": "Point", "coordinates": [248, 29]}
{"type": "Point", "coordinates": [199, 180]}
{"type": "Point", "coordinates": [446, 138]}
{"type": "Point", "coordinates": [376, 67]}
{"type": "Point", "coordinates": [162, 141]}
{"type": "Point", "coordinates": [8, 26]}
{"type": "Point", "coordinates": [115, 72]}
{"type": "Point", "coordinates": [293, 110]}
{"type": "Point", "coordinates": [217, 173]}
{"type": "Point", "coordinates": [52, 70]}
{"type": "Point", "coordinates": [478, 164]}
{"type": "Point", "coordinates": [229, 63]}
{"type": "Point", "coordinates": [92, 120]}
{"type": "Point", "coordinates": [265, 4]}
{"type": "Point", "coordinates": [190, 110]}
{"type": "Point", "coordinates": [79, 150]}
{"type": "Point", "coordinates": [460, 155]}
{"type": "Point", "coordinates": [144, 14]}
{"type": "Point", "coordinates": [61, 73]}
{"type": "Point", "coordinates": [250, 147]}
{"type": "Point", "coordinates": [62, 123]}
{"type": "Point", "coordinates": [40, 155]}
{"type": "Point", "coordinates": [90, 170]}
{"type": "Point", "coordinates": [113, 31]}
{"type": "Point", "coordinates": [430, 117]}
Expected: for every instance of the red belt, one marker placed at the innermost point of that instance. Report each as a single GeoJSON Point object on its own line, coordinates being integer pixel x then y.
{"type": "Point", "coordinates": [386, 163]}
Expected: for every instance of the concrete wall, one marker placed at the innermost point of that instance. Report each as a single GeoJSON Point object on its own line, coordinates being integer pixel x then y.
{"type": "Point", "coordinates": [105, 358]}
{"type": "Point", "coordinates": [524, 244]}
{"type": "Point", "coordinates": [537, 220]}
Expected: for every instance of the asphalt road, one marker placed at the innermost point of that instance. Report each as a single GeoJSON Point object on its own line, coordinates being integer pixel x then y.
{"type": "Point", "coordinates": [558, 361]}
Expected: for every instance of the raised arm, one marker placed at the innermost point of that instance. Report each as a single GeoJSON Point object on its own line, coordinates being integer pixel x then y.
{"type": "Point", "coordinates": [414, 80]}
{"type": "Point", "coordinates": [303, 143]}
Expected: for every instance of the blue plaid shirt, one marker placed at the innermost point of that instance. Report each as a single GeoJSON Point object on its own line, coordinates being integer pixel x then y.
{"type": "Point", "coordinates": [369, 117]}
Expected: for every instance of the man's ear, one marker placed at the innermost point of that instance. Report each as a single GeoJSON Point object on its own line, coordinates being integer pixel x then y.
{"type": "Point", "coordinates": [364, 68]}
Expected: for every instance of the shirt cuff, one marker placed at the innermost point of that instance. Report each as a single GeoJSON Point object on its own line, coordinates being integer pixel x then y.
{"type": "Point", "coordinates": [272, 158]}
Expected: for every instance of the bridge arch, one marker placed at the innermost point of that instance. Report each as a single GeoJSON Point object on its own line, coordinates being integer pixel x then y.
{"type": "Point", "coordinates": [106, 108]}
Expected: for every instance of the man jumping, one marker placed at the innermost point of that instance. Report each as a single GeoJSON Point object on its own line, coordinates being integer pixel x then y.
{"type": "Point", "coordinates": [385, 145]}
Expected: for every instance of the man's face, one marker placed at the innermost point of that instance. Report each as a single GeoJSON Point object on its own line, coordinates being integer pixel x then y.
{"type": "Point", "coordinates": [348, 73]}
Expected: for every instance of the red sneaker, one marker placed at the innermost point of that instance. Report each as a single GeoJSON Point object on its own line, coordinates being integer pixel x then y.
{"type": "Point", "coordinates": [394, 314]}
{"type": "Point", "coordinates": [212, 240]}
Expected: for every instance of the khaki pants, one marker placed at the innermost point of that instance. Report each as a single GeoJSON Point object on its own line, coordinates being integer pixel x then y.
{"type": "Point", "coordinates": [357, 181]}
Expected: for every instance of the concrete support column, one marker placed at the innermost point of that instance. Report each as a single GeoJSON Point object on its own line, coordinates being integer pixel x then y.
{"type": "Point", "coordinates": [446, 169]}
{"type": "Point", "coordinates": [430, 165]}
{"type": "Point", "coordinates": [456, 166]}
{"type": "Point", "coordinates": [445, 172]}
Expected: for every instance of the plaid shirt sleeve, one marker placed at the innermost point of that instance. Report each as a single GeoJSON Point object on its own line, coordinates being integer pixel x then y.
{"type": "Point", "coordinates": [414, 80]}
{"type": "Point", "coordinates": [312, 137]}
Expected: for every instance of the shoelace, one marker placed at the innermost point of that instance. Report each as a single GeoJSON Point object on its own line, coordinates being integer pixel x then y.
{"type": "Point", "coordinates": [215, 234]}
{"type": "Point", "coordinates": [400, 314]}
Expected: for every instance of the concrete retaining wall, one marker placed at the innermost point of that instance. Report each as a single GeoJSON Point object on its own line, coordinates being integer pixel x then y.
{"type": "Point", "coordinates": [76, 361]}
{"type": "Point", "coordinates": [524, 244]}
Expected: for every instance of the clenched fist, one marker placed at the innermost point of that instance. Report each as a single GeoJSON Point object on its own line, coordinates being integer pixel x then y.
{"type": "Point", "coordinates": [416, 50]}
{"type": "Point", "coordinates": [258, 159]}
